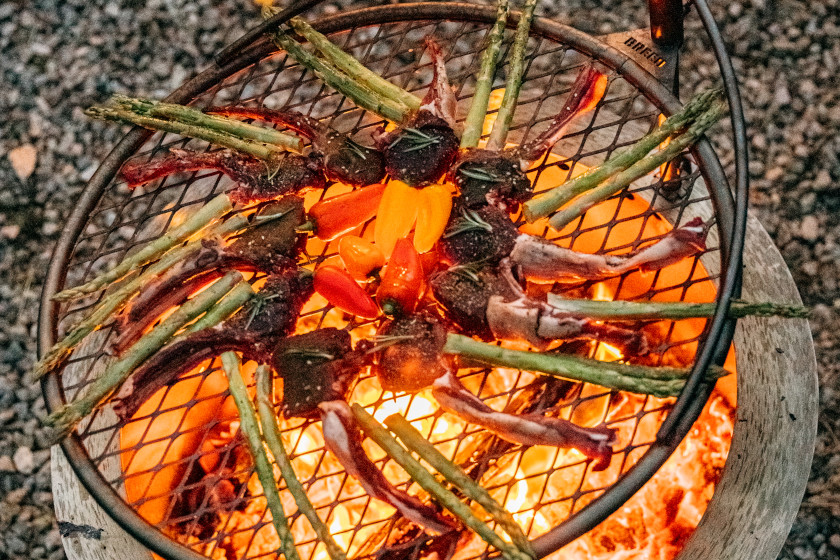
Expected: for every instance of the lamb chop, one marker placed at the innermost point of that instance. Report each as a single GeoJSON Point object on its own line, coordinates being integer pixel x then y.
{"type": "Point", "coordinates": [414, 358]}
{"type": "Point", "coordinates": [271, 247]}
{"type": "Point", "coordinates": [317, 369]}
{"type": "Point", "coordinates": [254, 330]}
{"type": "Point", "coordinates": [489, 303]}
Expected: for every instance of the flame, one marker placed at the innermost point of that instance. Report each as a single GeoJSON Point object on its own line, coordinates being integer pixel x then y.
{"type": "Point", "coordinates": [540, 486]}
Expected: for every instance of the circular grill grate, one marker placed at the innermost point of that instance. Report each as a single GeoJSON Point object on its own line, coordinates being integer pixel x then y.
{"type": "Point", "coordinates": [123, 219]}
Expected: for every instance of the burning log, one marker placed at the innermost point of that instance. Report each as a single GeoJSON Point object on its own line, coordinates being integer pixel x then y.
{"type": "Point", "coordinates": [429, 483]}
{"type": "Point", "coordinates": [343, 439]}
{"type": "Point", "coordinates": [415, 442]}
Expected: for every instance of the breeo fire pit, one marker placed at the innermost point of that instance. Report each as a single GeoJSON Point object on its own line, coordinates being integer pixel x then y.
{"type": "Point", "coordinates": [154, 476]}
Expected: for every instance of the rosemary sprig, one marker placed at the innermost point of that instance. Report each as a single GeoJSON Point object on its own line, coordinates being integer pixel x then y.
{"type": "Point", "coordinates": [356, 148]}
{"type": "Point", "coordinates": [470, 221]}
{"type": "Point", "coordinates": [480, 174]}
{"type": "Point", "coordinates": [307, 352]}
{"type": "Point", "coordinates": [417, 139]}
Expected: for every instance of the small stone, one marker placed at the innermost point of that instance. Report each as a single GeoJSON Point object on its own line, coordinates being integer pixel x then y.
{"type": "Point", "coordinates": [50, 228]}
{"type": "Point", "coordinates": [782, 96]}
{"type": "Point", "coordinates": [24, 460]}
{"type": "Point", "coordinates": [16, 496]}
{"type": "Point", "coordinates": [774, 174]}
{"type": "Point", "coordinates": [10, 231]}
{"type": "Point", "coordinates": [6, 464]}
{"type": "Point", "coordinates": [23, 159]}
{"type": "Point", "coordinates": [823, 180]}
{"type": "Point", "coordinates": [834, 540]}
{"type": "Point", "coordinates": [809, 229]}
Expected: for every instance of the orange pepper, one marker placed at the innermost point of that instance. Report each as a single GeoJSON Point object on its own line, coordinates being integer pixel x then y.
{"type": "Point", "coordinates": [361, 258]}
{"type": "Point", "coordinates": [339, 214]}
{"type": "Point", "coordinates": [402, 280]}
{"type": "Point", "coordinates": [339, 288]}
{"type": "Point", "coordinates": [395, 216]}
{"type": "Point", "coordinates": [432, 216]}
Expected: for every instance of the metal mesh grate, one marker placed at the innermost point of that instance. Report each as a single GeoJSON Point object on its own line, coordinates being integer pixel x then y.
{"type": "Point", "coordinates": [186, 507]}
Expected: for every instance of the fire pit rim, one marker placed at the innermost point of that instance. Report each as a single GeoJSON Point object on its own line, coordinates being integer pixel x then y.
{"type": "Point", "coordinates": [726, 210]}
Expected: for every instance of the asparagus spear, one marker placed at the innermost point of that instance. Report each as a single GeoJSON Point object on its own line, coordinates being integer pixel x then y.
{"type": "Point", "coordinates": [251, 429]}
{"type": "Point", "coordinates": [415, 442]}
{"type": "Point", "coordinates": [115, 301]}
{"type": "Point", "coordinates": [657, 381]}
{"type": "Point", "coordinates": [364, 97]}
{"type": "Point", "coordinates": [271, 434]}
{"type": "Point", "coordinates": [429, 483]}
{"type": "Point", "coordinates": [657, 310]}
{"type": "Point", "coordinates": [195, 223]}
{"type": "Point", "coordinates": [639, 169]}
{"type": "Point", "coordinates": [346, 63]}
{"type": "Point", "coordinates": [65, 418]}
{"type": "Point", "coordinates": [484, 80]}
{"type": "Point", "coordinates": [545, 203]}
{"type": "Point", "coordinates": [514, 80]}
{"type": "Point", "coordinates": [191, 116]}
{"type": "Point", "coordinates": [223, 309]}
{"type": "Point", "coordinates": [260, 150]}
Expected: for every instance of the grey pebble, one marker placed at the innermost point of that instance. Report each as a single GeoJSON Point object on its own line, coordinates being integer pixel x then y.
{"type": "Point", "coordinates": [24, 460]}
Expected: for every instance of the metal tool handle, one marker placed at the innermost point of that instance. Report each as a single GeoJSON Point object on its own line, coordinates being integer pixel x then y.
{"type": "Point", "coordinates": [666, 22]}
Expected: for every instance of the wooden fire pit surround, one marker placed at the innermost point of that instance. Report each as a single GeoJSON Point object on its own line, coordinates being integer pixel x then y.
{"type": "Point", "coordinates": [764, 478]}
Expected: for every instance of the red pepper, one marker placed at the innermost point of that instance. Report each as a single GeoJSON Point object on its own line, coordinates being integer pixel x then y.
{"type": "Point", "coordinates": [402, 280]}
{"type": "Point", "coordinates": [339, 288]}
{"type": "Point", "coordinates": [339, 214]}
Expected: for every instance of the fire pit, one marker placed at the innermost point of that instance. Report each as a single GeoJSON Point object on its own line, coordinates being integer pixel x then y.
{"type": "Point", "coordinates": [159, 463]}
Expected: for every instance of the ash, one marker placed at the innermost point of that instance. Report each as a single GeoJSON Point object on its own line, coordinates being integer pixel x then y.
{"type": "Point", "coordinates": [62, 56]}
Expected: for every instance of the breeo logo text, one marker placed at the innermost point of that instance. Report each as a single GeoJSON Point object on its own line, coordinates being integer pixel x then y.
{"type": "Point", "coordinates": [645, 51]}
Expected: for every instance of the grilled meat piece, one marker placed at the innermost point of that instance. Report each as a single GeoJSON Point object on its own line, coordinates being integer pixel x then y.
{"type": "Point", "coordinates": [317, 366]}
{"type": "Point", "coordinates": [411, 358]}
{"type": "Point", "coordinates": [484, 235]}
{"type": "Point", "coordinates": [254, 331]}
{"type": "Point", "coordinates": [342, 159]}
{"type": "Point", "coordinates": [256, 181]}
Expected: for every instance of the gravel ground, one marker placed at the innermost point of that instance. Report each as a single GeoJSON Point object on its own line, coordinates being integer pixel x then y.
{"type": "Point", "coordinates": [61, 56]}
